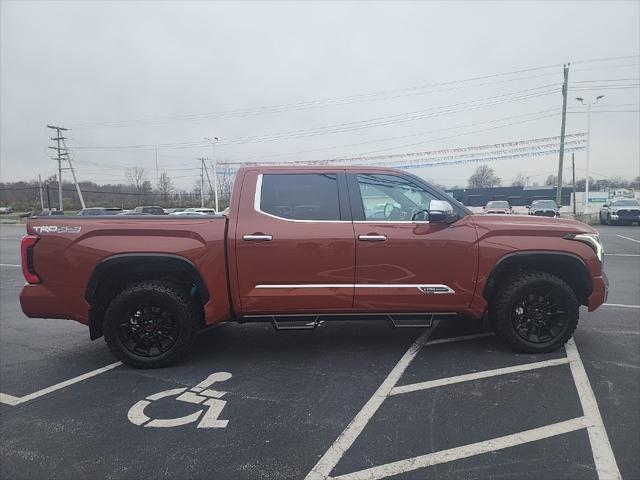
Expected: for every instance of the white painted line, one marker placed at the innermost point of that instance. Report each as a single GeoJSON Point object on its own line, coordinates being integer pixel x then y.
{"type": "Point", "coordinates": [619, 305]}
{"type": "Point", "coordinates": [330, 459]}
{"type": "Point", "coordinates": [622, 254]}
{"type": "Point", "coordinates": [9, 265]}
{"type": "Point", "coordinates": [603, 457]}
{"type": "Point", "coordinates": [11, 400]}
{"type": "Point", "coordinates": [414, 387]}
{"type": "Point", "coordinates": [459, 339]}
{"type": "Point", "coordinates": [466, 451]}
{"type": "Point", "coordinates": [627, 238]}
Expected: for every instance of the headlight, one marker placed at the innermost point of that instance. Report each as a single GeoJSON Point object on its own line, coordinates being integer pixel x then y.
{"type": "Point", "coordinates": [591, 239]}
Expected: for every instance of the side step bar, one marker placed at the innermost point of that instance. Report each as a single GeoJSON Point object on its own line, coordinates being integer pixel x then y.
{"type": "Point", "coordinates": [312, 321]}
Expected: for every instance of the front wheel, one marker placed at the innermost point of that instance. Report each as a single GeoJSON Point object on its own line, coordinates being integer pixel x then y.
{"type": "Point", "coordinates": [150, 324]}
{"type": "Point", "coordinates": [534, 312]}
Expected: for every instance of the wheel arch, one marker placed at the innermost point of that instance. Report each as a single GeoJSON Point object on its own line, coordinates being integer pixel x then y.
{"type": "Point", "coordinates": [114, 273]}
{"type": "Point", "coordinates": [567, 266]}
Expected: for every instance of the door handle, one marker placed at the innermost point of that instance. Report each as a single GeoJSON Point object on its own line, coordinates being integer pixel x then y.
{"type": "Point", "coordinates": [257, 237]}
{"type": "Point", "coordinates": [372, 238]}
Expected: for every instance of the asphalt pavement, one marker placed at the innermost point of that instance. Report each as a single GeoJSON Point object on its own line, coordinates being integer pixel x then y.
{"type": "Point", "coordinates": [349, 399]}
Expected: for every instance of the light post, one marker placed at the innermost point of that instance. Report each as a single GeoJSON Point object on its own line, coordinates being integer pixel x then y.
{"type": "Point", "coordinates": [215, 170]}
{"type": "Point", "coordinates": [586, 183]}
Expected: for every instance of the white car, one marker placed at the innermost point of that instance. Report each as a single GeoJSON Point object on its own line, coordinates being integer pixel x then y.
{"type": "Point", "coordinates": [189, 214]}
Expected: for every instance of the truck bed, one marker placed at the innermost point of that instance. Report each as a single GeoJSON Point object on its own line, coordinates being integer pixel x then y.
{"type": "Point", "coordinates": [70, 249]}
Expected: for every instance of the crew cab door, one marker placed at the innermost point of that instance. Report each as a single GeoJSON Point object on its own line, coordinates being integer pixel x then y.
{"type": "Point", "coordinates": [404, 262]}
{"type": "Point", "coordinates": [295, 245]}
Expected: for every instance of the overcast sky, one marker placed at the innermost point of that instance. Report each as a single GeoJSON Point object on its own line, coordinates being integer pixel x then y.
{"type": "Point", "coordinates": [86, 65]}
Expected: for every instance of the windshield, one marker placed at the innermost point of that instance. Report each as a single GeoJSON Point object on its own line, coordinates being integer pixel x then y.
{"type": "Point", "coordinates": [544, 204]}
{"type": "Point", "coordinates": [498, 204]}
{"type": "Point", "coordinates": [625, 203]}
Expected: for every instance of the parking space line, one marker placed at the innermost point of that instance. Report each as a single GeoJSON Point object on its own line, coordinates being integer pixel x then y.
{"type": "Point", "coordinates": [9, 265]}
{"type": "Point", "coordinates": [438, 341]}
{"type": "Point", "coordinates": [603, 457]}
{"type": "Point", "coordinates": [457, 453]}
{"type": "Point", "coordinates": [414, 387]}
{"type": "Point", "coordinates": [619, 305]}
{"type": "Point", "coordinates": [628, 238]}
{"type": "Point", "coordinates": [11, 400]}
{"type": "Point", "coordinates": [336, 451]}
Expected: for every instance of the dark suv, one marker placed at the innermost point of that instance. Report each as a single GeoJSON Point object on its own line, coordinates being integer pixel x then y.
{"type": "Point", "coordinates": [153, 210]}
{"type": "Point", "coordinates": [544, 208]}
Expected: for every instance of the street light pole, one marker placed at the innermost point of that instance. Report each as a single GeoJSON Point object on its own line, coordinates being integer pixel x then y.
{"type": "Point", "coordinates": [586, 183]}
{"type": "Point", "coordinates": [215, 170]}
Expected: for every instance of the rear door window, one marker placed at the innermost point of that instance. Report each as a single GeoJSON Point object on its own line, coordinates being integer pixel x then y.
{"type": "Point", "coordinates": [305, 196]}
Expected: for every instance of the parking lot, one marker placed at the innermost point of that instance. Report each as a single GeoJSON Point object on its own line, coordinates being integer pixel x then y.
{"type": "Point", "coordinates": [348, 400]}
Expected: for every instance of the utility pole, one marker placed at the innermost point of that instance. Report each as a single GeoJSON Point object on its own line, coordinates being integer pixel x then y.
{"type": "Point", "coordinates": [573, 169]}
{"type": "Point", "coordinates": [215, 169]}
{"type": "Point", "coordinates": [565, 92]}
{"type": "Point", "coordinates": [202, 182]}
{"type": "Point", "coordinates": [586, 183]}
{"type": "Point", "coordinates": [58, 148]}
{"type": "Point", "coordinates": [40, 188]}
{"type": "Point", "coordinates": [156, 165]}
{"type": "Point", "coordinates": [48, 198]}
{"type": "Point", "coordinates": [206, 170]}
{"type": "Point", "coordinates": [73, 173]}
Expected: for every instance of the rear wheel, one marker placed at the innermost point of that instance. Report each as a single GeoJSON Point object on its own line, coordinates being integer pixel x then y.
{"type": "Point", "coordinates": [534, 312]}
{"type": "Point", "coordinates": [150, 324]}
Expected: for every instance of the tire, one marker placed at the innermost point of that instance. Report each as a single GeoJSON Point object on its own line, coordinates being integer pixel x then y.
{"type": "Point", "coordinates": [150, 324]}
{"type": "Point", "coordinates": [609, 222]}
{"type": "Point", "coordinates": [602, 222]}
{"type": "Point", "coordinates": [521, 306]}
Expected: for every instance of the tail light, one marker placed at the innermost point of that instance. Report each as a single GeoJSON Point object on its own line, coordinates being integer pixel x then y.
{"type": "Point", "coordinates": [26, 253]}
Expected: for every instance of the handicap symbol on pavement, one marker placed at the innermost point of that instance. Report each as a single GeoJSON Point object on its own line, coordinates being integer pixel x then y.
{"type": "Point", "coordinates": [201, 394]}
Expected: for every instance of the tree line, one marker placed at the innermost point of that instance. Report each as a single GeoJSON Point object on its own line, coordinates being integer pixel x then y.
{"type": "Point", "coordinates": [138, 190]}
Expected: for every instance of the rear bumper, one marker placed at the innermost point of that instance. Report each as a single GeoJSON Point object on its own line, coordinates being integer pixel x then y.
{"type": "Point", "coordinates": [600, 292]}
{"type": "Point", "coordinates": [37, 301]}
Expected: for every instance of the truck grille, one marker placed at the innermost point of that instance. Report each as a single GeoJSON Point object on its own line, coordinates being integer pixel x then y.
{"type": "Point", "coordinates": [628, 214]}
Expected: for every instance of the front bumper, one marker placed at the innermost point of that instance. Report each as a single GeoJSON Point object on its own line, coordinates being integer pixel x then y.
{"type": "Point", "coordinates": [600, 292]}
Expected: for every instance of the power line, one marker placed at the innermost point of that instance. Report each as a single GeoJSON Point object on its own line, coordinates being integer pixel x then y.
{"type": "Point", "coordinates": [344, 100]}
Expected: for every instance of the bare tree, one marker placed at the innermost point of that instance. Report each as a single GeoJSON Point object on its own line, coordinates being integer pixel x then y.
{"type": "Point", "coordinates": [136, 176]}
{"type": "Point", "coordinates": [520, 180]}
{"type": "Point", "coordinates": [484, 176]}
{"type": "Point", "coordinates": [551, 181]}
{"type": "Point", "coordinates": [165, 185]}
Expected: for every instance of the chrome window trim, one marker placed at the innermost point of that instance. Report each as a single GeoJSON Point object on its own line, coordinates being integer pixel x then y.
{"type": "Point", "coordinates": [256, 207]}
{"type": "Point", "coordinates": [446, 289]}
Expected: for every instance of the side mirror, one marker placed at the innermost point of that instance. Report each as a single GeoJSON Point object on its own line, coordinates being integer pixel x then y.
{"type": "Point", "coordinates": [528, 207]}
{"type": "Point", "coordinates": [441, 212]}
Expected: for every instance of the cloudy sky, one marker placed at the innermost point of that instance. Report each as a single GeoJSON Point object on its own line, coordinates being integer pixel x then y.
{"type": "Point", "coordinates": [313, 80]}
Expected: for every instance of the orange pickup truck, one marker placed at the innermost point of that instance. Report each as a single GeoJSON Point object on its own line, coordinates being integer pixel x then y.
{"type": "Point", "coordinates": [305, 244]}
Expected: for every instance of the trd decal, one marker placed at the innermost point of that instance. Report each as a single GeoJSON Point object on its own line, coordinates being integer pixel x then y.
{"type": "Point", "coordinates": [56, 229]}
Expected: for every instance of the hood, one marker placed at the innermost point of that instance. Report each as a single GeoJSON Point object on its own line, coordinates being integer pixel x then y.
{"type": "Point", "coordinates": [532, 225]}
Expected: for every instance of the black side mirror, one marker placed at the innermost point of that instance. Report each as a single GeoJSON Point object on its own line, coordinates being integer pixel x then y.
{"type": "Point", "coordinates": [441, 212]}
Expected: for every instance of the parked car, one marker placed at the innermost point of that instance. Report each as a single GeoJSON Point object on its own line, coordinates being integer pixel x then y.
{"type": "Point", "coordinates": [132, 212]}
{"type": "Point", "coordinates": [498, 206]}
{"type": "Point", "coordinates": [187, 214]}
{"type": "Point", "coordinates": [544, 208]}
{"type": "Point", "coordinates": [6, 210]}
{"type": "Point", "coordinates": [622, 211]}
{"type": "Point", "coordinates": [100, 211]}
{"type": "Point", "coordinates": [151, 210]}
{"type": "Point", "coordinates": [298, 240]}
{"type": "Point", "coordinates": [205, 210]}
{"type": "Point", "coordinates": [54, 213]}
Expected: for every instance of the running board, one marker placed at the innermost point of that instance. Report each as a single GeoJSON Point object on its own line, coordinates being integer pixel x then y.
{"type": "Point", "coordinates": [312, 321]}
